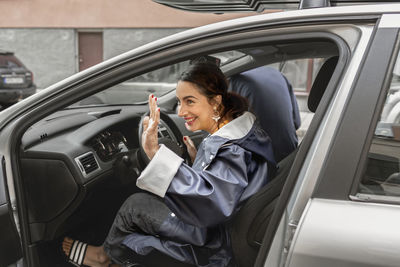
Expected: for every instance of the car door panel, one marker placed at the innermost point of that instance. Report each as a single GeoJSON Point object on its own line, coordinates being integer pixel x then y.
{"type": "Point", "coordinates": [332, 230]}
{"type": "Point", "coordinates": [10, 246]}
{"type": "Point", "coordinates": [344, 233]}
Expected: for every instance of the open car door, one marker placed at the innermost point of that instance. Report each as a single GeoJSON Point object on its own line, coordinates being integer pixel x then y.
{"type": "Point", "coordinates": [10, 245]}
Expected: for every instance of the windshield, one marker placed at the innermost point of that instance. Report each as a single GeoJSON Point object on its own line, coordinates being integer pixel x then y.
{"type": "Point", "coordinates": [9, 61]}
{"type": "Point", "coordinates": [157, 82]}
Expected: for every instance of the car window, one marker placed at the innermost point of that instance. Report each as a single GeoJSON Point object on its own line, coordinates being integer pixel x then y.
{"type": "Point", "coordinates": [9, 62]}
{"type": "Point", "coordinates": [300, 72]}
{"type": "Point", "coordinates": [137, 89]}
{"type": "Point", "coordinates": [157, 82]}
{"type": "Point", "coordinates": [382, 173]}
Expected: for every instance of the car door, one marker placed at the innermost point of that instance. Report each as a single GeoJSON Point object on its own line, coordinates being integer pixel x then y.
{"type": "Point", "coordinates": [343, 213]}
{"type": "Point", "coordinates": [10, 245]}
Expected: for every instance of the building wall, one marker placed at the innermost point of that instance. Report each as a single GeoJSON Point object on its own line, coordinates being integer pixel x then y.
{"type": "Point", "coordinates": [51, 54]}
{"type": "Point", "coordinates": [117, 41]}
{"type": "Point", "coordinates": [100, 14]}
{"type": "Point", "coordinates": [48, 53]}
{"type": "Point", "coordinates": [43, 33]}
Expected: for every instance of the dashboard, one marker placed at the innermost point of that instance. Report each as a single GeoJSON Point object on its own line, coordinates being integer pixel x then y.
{"type": "Point", "coordinates": [89, 142]}
{"type": "Point", "coordinates": [68, 156]}
{"type": "Point", "coordinates": [73, 158]}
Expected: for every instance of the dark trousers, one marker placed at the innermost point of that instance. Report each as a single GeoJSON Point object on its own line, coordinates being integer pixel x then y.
{"type": "Point", "coordinates": [145, 213]}
{"type": "Point", "coordinates": [141, 212]}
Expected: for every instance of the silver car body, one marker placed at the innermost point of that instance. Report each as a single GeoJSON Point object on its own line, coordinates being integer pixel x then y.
{"type": "Point", "coordinates": [315, 229]}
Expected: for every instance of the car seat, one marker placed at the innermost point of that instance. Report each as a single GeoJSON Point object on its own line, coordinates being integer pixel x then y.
{"type": "Point", "coordinates": [272, 100]}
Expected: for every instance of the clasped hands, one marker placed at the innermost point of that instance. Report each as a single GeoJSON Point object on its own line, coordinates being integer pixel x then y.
{"type": "Point", "coordinates": [150, 132]}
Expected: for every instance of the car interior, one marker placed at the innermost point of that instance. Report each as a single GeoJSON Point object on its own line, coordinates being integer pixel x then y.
{"type": "Point", "coordinates": [80, 163]}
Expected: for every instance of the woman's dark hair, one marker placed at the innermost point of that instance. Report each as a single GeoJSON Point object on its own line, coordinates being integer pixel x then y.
{"type": "Point", "coordinates": [211, 82]}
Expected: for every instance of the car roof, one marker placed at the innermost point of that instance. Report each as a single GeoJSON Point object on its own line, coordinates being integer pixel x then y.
{"type": "Point", "coordinates": [4, 52]}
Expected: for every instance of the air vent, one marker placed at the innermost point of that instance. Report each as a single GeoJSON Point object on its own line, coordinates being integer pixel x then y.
{"type": "Point", "coordinates": [163, 132]}
{"type": "Point", "coordinates": [87, 163]}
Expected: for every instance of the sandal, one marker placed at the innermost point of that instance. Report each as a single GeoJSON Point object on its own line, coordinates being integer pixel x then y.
{"type": "Point", "coordinates": [77, 253]}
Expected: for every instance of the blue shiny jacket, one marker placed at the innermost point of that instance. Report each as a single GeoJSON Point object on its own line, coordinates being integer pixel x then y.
{"type": "Point", "coordinates": [230, 166]}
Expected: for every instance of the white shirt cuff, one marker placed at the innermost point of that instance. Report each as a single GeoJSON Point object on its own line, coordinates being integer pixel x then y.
{"type": "Point", "coordinates": [158, 174]}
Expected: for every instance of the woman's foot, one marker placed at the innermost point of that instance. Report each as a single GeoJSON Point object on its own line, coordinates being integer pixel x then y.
{"type": "Point", "coordinates": [94, 256]}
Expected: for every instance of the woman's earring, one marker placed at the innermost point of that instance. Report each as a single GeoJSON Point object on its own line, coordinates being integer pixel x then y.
{"type": "Point", "coordinates": [216, 116]}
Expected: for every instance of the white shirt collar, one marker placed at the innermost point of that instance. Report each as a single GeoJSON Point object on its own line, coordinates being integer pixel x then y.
{"type": "Point", "coordinates": [237, 128]}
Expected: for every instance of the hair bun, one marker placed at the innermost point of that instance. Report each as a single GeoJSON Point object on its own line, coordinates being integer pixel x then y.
{"type": "Point", "coordinates": [235, 104]}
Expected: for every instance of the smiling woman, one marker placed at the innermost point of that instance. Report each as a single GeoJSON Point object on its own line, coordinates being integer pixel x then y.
{"type": "Point", "coordinates": [204, 102]}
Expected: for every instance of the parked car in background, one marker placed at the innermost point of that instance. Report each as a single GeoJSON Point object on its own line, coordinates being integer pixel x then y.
{"type": "Point", "coordinates": [16, 81]}
{"type": "Point", "coordinates": [70, 153]}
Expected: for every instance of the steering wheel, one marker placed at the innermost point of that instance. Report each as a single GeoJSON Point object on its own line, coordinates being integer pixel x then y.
{"type": "Point", "coordinates": [174, 142]}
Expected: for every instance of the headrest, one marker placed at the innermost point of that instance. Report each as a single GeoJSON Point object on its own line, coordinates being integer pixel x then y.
{"type": "Point", "coordinates": [321, 82]}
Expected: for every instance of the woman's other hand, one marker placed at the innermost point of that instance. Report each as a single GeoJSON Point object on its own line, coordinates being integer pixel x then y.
{"type": "Point", "coordinates": [191, 148]}
{"type": "Point", "coordinates": [150, 129]}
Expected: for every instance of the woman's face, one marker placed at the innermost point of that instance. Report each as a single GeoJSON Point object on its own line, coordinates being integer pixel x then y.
{"type": "Point", "coordinates": [195, 108]}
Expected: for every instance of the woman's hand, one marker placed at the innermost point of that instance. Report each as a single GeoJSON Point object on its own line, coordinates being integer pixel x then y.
{"type": "Point", "coordinates": [190, 147]}
{"type": "Point", "coordinates": [150, 129]}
